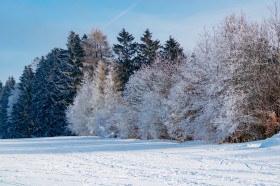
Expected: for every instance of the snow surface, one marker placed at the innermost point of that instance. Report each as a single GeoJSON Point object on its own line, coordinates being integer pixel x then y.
{"type": "Point", "coordinates": [97, 161]}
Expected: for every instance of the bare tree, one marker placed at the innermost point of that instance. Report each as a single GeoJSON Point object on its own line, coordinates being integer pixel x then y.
{"type": "Point", "coordinates": [96, 48]}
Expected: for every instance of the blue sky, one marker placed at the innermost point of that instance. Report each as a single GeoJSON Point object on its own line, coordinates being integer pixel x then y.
{"type": "Point", "coordinates": [31, 28]}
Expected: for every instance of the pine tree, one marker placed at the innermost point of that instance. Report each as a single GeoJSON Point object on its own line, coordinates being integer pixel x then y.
{"type": "Point", "coordinates": [172, 50]}
{"type": "Point", "coordinates": [4, 106]}
{"type": "Point", "coordinates": [127, 60]}
{"type": "Point", "coordinates": [148, 48]}
{"type": "Point", "coordinates": [76, 53]}
{"type": "Point", "coordinates": [21, 120]}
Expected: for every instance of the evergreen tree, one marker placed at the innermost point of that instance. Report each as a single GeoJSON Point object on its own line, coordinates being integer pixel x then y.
{"type": "Point", "coordinates": [21, 121]}
{"type": "Point", "coordinates": [41, 100]}
{"type": "Point", "coordinates": [148, 48]}
{"type": "Point", "coordinates": [77, 57]}
{"type": "Point", "coordinates": [127, 60]}
{"type": "Point", "coordinates": [84, 37]}
{"type": "Point", "coordinates": [172, 50]}
{"type": "Point", "coordinates": [54, 90]}
{"type": "Point", "coordinates": [4, 106]}
{"type": "Point", "coordinates": [1, 91]}
{"type": "Point", "coordinates": [1, 88]}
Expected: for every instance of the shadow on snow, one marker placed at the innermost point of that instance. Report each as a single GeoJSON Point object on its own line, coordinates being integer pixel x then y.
{"type": "Point", "coordinates": [86, 144]}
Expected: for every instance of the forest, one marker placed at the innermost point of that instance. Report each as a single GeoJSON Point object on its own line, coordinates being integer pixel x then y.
{"type": "Point", "coordinates": [225, 90]}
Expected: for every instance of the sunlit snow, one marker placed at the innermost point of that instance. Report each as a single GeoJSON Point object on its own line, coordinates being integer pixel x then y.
{"type": "Point", "coordinates": [97, 161]}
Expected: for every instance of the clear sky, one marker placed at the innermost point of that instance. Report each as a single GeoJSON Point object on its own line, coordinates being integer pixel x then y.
{"type": "Point", "coordinates": [31, 28]}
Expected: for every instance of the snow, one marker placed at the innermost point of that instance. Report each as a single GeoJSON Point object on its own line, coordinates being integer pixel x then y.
{"type": "Point", "coordinates": [271, 142]}
{"type": "Point", "coordinates": [99, 161]}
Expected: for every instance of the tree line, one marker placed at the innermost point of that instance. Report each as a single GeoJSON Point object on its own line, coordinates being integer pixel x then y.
{"type": "Point", "coordinates": [225, 90]}
{"type": "Point", "coordinates": [37, 105]}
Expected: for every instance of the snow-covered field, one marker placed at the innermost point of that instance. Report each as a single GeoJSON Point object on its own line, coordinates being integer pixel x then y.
{"type": "Point", "coordinates": [96, 161]}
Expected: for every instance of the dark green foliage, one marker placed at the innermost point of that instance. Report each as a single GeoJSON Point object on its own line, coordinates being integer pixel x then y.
{"type": "Point", "coordinates": [54, 89]}
{"type": "Point", "coordinates": [6, 92]}
{"type": "Point", "coordinates": [127, 60]}
{"type": "Point", "coordinates": [84, 37]}
{"type": "Point", "coordinates": [148, 48]}
{"type": "Point", "coordinates": [1, 89]}
{"type": "Point", "coordinates": [172, 50]}
{"type": "Point", "coordinates": [21, 120]}
{"type": "Point", "coordinates": [76, 54]}
{"type": "Point", "coordinates": [41, 100]}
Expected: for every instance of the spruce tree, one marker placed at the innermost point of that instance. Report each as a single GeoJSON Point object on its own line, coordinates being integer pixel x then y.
{"type": "Point", "coordinates": [6, 93]}
{"type": "Point", "coordinates": [1, 88]}
{"type": "Point", "coordinates": [21, 120]}
{"type": "Point", "coordinates": [172, 50]}
{"type": "Point", "coordinates": [127, 60]}
{"type": "Point", "coordinates": [76, 53]}
{"type": "Point", "coordinates": [54, 90]}
{"type": "Point", "coordinates": [148, 48]}
{"type": "Point", "coordinates": [41, 100]}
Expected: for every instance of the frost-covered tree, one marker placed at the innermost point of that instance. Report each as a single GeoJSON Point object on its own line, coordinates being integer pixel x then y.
{"type": "Point", "coordinates": [113, 109]}
{"type": "Point", "coordinates": [96, 123]}
{"type": "Point", "coordinates": [13, 99]}
{"type": "Point", "coordinates": [79, 113]}
{"type": "Point", "coordinates": [212, 101]}
{"type": "Point", "coordinates": [237, 67]}
{"type": "Point", "coordinates": [88, 103]}
{"type": "Point", "coordinates": [254, 55]}
{"type": "Point", "coordinates": [101, 74]}
{"type": "Point", "coordinates": [98, 109]}
{"type": "Point", "coordinates": [145, 93]}
{"type": "Point", "coordinates": [21, 118]}
{"type": "Point", "coordinates": [198, 98]}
